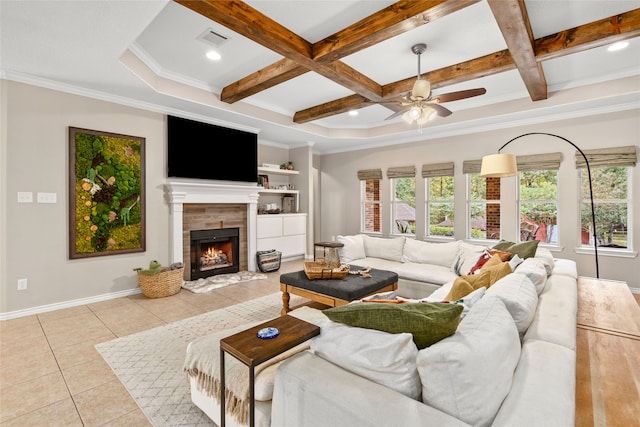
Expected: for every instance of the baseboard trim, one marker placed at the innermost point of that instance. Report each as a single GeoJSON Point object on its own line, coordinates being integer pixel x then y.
{"type": "Point", "coordinates": [635, 290]}
{"type": "Point", "coordinates": [68, 304]}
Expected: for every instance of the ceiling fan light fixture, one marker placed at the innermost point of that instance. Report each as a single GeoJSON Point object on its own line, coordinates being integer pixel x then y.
{"type": "Point", "coordinates": [415, 112]}
{"type": "Point", "coordinates": [421, 89]}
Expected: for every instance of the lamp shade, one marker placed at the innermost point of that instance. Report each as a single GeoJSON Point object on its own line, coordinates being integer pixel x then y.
{"type": "Point", "coordinates": [499, 166]}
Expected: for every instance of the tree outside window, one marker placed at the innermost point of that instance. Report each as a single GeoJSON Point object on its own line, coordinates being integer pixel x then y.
{"type": "Point", "coordinates": [611, 200]}
{"type": "Point", "coordinates": [538, 206]}
{"type": "Point", "coordinates": [440, 206]}
{"type": "Point", "coordinates": [403, 205]}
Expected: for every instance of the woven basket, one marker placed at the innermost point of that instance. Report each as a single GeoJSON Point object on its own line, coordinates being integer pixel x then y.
{"type": "Point", "coordinates": [164, 284]}
{"type": "Point", "coordinates": [319, 270]}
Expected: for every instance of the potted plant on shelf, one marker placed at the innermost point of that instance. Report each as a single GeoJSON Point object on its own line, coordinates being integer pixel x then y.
{"type": "Point", "coordinates": [287, 166]}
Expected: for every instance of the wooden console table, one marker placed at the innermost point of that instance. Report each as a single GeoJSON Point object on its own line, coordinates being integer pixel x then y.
{"type": "Point", "coordinates": [607, 355]}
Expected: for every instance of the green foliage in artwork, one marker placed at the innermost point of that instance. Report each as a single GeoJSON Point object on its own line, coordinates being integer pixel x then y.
{"type": "Point", "coordinates": [108, 193]}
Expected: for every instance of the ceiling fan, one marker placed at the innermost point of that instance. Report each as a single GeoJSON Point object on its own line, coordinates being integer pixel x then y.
{"type": "Point", "coordinates": [420, 105]}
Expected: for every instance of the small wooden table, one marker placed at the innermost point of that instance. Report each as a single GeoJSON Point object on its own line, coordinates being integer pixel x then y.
{"type": "Point", "coordinates": [607, 354]}
{"type": "Point", "coordinates": [335, 292]}
{"type": "Point", "coordinates": [252, 351]}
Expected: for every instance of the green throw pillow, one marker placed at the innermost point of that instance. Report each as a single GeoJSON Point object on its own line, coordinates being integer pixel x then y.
{"type": "Point", "coordinates": [524, 250]}
{"type": "Point", "coordinates": [427, 322]}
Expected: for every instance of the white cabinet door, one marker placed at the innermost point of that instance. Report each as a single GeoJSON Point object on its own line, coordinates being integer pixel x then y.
{"type": "Point", "coordinates": [269, 226]}
{"type": "Point", "coordinates": [294, 225]}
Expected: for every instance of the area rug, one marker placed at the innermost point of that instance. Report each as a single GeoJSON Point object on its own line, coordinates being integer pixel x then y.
{"type": "Point", "coordinates": [149, 364]}
{"type": "Point", "coordinates": [220, 280]}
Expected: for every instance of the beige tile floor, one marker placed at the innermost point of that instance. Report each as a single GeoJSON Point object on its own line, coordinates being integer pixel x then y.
{"type": "Point", "coordinates": [52, 375]}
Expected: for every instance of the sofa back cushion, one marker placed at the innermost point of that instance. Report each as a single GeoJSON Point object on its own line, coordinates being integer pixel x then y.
{"type": "Point", "coordinates": [519, 295]}
{"type": "Point", "coordinates": [384, 358]}
{"type": "Point", "coordinates": [468, 374]}
{"type": "Point", "coordinates": [468, 256]}
{"type": "Point", "coordinates": [379, 247]}
{"type": "Point", "coordinates": [353, 248]}
{"type": "Point", "coordinates": [442, 254]}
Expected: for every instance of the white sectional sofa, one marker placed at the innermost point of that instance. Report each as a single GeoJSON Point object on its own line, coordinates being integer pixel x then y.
{"type": "Point", "coordinates": [511, 362]}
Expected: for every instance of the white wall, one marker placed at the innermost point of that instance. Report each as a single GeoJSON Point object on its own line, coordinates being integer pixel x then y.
{"type": "Point", "coordinates": [36, 125]}
{"type": "Point", "coordinates": [340, 188]}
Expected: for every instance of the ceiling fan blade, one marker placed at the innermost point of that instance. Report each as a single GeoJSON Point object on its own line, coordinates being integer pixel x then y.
{"type": "Point", "coordinates": [440, 110]}
{"type": "Point", "coordinates": [397, 114]}
{"type": "Point", "coordinates": [463, 94]}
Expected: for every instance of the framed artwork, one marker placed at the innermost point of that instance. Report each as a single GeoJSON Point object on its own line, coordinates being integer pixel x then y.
{"type": "Point", "coordinates": [264, 181]}
{"type": "Point", "coordinates": [106, 193]}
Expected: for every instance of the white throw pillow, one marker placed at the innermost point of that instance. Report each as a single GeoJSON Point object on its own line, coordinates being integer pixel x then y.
{"type": "Point", "coordinates": [468, 374]}
{"type": "Point", "coordinates": [379, 247]}
{"type": "Point", "coordinates": [468, 255]}
{"type": "Point", "coordinates": [384, 358]}
{"type": "Point", "coordinates": [443, 254]}
{"type": "Point", "coordinates": [519, 295]}
{"type": "Point", "coordinates": [545, 255]}
{"type": "Point", "coordinates": [535, 270]}
{"type": "Point", "coordinates": [353, 248]}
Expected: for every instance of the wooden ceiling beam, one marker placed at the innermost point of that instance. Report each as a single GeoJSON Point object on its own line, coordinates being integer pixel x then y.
{"type": "Point", "coordinates": [389, 22]}
{"type": "Point", "coordinates": [512, 18]}
{"type": "Point", "coordinates": [342, 105]}
{"type": "Point", "coordinates": [567, 42]}
{"type": "Point", "coordinates": [595, 34]}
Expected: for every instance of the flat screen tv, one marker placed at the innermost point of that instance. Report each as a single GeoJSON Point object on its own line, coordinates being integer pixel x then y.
{"type": "Point", "coordinates": [205, 151]}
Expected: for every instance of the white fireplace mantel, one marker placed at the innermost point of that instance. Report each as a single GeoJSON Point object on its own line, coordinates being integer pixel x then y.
{"type": "Point", "coordinates": [181, 192]}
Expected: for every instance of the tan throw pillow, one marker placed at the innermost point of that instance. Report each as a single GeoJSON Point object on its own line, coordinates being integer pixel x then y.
{"type": "Point", "coordinates": [427, 322]}
{"type": "Point", "coordinates": [504, 256]}
{"type": "Point", "coordinates": [492, 271]}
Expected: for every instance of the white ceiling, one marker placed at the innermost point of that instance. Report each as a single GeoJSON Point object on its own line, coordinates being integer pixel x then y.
{"type": "Point", "coordinates": [148, 54]}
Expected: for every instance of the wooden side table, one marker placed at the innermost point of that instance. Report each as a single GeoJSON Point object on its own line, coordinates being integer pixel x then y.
{"type": "Point", "coordinates": [607, 354]}
{"type": "Point", "coordinates": [252, 351]}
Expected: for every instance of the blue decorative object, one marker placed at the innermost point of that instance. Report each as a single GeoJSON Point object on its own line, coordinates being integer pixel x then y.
{"type": "Point", "coordinates": [266, 333]}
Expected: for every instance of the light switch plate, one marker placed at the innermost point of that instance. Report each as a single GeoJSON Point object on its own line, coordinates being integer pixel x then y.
{"type": "Point", "coordinates": [46, 197]}
{"type": "Point", "coordinates": [25, 197]}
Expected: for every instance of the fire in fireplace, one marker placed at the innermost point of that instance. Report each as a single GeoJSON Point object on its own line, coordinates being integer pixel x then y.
{"type": "Point", "coordinates": [214, 251]}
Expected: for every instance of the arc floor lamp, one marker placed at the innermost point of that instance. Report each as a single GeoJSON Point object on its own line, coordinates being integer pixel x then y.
{"type": "Point", "coordinates": [503, 165]}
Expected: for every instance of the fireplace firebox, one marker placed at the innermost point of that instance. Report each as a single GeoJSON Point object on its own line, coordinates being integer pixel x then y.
{"type": "Point", "coordinates": [214, 251]}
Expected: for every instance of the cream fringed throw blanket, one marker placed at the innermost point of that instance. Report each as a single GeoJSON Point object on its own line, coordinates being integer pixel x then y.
{"type": "Point", "coordinates": [203, 363]}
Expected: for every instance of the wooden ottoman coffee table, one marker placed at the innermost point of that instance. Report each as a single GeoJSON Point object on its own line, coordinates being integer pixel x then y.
{"type": "Point", "coordinates": [334, 292]}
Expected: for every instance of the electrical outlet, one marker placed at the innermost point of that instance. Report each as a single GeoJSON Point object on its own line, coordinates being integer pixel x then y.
{"type": "Point", "coordinates": [46, 197]}
{"type": "Point", "coordinates": [22, 284]}
{"type": "Point", "coordinates": [25, 197]}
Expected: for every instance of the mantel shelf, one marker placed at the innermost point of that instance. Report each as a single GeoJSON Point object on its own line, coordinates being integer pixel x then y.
{"type": "Point", "coordinates": [276, 191]}
{"type": "Point", "coordinates": [277, 171]}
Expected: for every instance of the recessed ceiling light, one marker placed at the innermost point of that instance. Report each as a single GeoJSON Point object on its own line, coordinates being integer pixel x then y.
{"type": "Point", "coordinates": [617, 46]}
{"type": "Point", "coordinates": [353, 113]}
{"type": "Point", "coordinates": [213, 55]}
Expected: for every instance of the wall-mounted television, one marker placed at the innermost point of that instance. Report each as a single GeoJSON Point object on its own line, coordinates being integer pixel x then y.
{"type": "Point", "coordinates": [205, 151]}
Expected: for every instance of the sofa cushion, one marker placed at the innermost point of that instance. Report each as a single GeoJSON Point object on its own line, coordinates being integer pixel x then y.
{"type": "Point", "coordinates": [534, 269]}
{"type": "Point", "coordinates": [443, 254]}
{"type": "Point", "coordinates": [542, 367]}
{"type": "Point", "coordinates": [524, 250]}
{"type": "Point", "coordinates": [547, 257]}
{"type": "Point", "coordinates": [490, 273]}
{"type": "Point", "coordinates": [384, 358]}
{"type": "Point", "coordinates": [380, 247]}
{"type": "Point", "coordinates": [353, 248]}
{"type": "Point", "coordinates": [428, 273]}
{"type": "Point", "coordinates": [468, 374]}
{"type": "Point", "coordinates": [519, 296]}
{"type": "Point", "coordinates": [427, 322]}
{"type": "Point", "coordinates": [468, 255]}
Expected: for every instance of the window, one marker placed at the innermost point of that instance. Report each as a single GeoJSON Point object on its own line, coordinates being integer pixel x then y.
{"type": "Point", "coordinates": [611, 185]}
{"type": "Point", "coordinates": [370, 212]}
{"type": "Point", "coordinates": [611, 205]}
{"type": "Point", "coordinates": [403, 199]}
{"type": "Point", "coordinates": [483, 203]}
{"type": "Point", "coordinates": [439, 199]}
{"type": "Point", "coordinates": [538, 206]}
{"type": "Point", "coordinates": [538, 197]}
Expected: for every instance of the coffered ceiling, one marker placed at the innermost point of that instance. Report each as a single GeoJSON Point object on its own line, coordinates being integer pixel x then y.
{"type": "Point", "coordinates": [293, 70]}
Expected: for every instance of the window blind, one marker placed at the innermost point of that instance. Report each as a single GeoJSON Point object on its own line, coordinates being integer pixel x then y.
{"type": "Point", "coordinates": [437, 169]}
{"type": "Point", "coordinates": [367, 174]}
{"type": "Point", "coordinates": [617, 156]}
{"type": "Point", "coordinates": [548, 161]}
{"type": "Point", "coordinates": [401, 172]}
{"type": "Point", "coordinates": [471, 166]}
